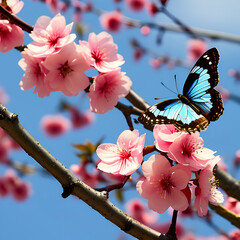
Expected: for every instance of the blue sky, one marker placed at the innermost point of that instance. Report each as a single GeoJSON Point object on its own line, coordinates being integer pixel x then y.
{"type": "Point", "coordinates": [46, 214]}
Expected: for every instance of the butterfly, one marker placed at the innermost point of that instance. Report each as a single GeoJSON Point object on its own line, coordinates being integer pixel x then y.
{"type": "Point", "coordinates": [198, 105]}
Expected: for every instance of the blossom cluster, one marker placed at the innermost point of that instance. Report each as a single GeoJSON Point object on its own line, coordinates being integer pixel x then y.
{"type": "Point", "coordinates": [169, 184]}
{"type": "Point", "coordinates": [54, 62]}
{"type": "Point", "coordinates": [11, 35]}
{"type": "Point", "coordinates": [166, 183]}
{"type": "Point", "coordinates": [12, 184]}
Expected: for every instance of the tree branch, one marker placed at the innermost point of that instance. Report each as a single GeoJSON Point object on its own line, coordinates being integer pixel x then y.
{"type": "Point", "coordinates": [70, 183]}
{"type": "Point", "coordinates": [225, 213]}
{"type": "Point", "coordinates": [230, 185]}
{"type": "Point", "coordinates": [15, 20]}
{"type": "Point", "coordinates": [137, 101]}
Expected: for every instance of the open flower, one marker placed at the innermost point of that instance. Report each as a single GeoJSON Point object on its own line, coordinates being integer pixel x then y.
{"type": "Point", "coordinates": [66, 70]}
{"type": "Point", "coordinates": [50, 35]}
{"type": "Point", "coordinates": [106, 89]}
{"type": "Point", "coordinates": [163, 185]}
{"type": "Point", "coordinates": [125, 157]}
{"type": "Point", "coordinates": [112, 21]}
{"type": "Point", "coordinates": [102, 51]}
{"type": "Point", "coordinates": [189, 151]}
{"type": "Point", "coordinates": [55, 125]}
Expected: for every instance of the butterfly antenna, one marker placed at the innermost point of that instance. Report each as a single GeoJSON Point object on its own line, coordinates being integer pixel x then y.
{"type": "Point", "coordinates": [168, 88]}
{"type": "Point", "coordinates": [175, 77]}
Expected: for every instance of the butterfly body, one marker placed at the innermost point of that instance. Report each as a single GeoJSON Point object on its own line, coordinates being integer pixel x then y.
{"type": "Point", "coordinates": [198, 105]}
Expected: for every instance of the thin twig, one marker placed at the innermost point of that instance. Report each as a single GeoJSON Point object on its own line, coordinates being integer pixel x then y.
{"type": "Point", "coordinates": [114, 186]}
{"type": "Point", "coordinates": [127, 111]}
{"type": "Point", "coordinates": [225, 213]}
{"type": "Point", "coordinates": [175, 28]}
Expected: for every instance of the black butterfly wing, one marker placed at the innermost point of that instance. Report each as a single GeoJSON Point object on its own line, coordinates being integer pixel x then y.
{"type": "Point", "coordinates": [199, 85]}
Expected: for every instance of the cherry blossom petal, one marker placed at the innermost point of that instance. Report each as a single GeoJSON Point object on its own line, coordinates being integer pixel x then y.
{"type": "Point", "coordinates": [164, 136]}
{"type": "Point", "coordinates": [10, 36]}
{"type": "Point", "coordinates": [181, 203]}
{"type": "Point", "coordinates": [180, 177]}
{"type": "Point", "coordinates": [158, 204]}
{"type": "Point", "coordinates": [155, 166]}
{"type": "Point", "coordinates": [109, 152]}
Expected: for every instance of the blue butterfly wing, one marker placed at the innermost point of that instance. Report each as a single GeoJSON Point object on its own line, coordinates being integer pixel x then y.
{"type": "Point", "coordinates": [174, 111]}
{"type": "Point", "coordinates": [199, 85]}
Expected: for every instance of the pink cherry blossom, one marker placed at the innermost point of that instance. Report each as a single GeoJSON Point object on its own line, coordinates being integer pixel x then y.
{"type": "Point", "coordinates": [163, 184]}
{"type": "Point", "coordinates": [136, 5]}
{"type": "Point", "coordinates": [195, 49]}
{"type": "Point", "coordinates": [102, 51]}
{"type": "Point", "coordinates": [50, 35]}
{"type": "Point", "coordinates": [10, 36]}
{"type": "Point", "coordinates": [89, 178]}
{"type": "Point", "coordinates": [109, 177]}
{"type": "Point", "coordinates": [137, 209]}
{"type": "Point", "coordinates": [165, 135]}
{"type": "Point", "coordinates": [80, 119]}
{"type": "Point", "coordinates": [106, 89]}
{"type": "Point", "coordinates": [206, 191]}
{"type": "Point", "coordinates": [145, 30]}
{"type": "Point", "coordinates": [35, 74]}
{"type": "Point", "coordinates": [14, 6]}
{"type": "Point", "coordinates": [10, 183]}
{"type": "Point", "coordinates": [111, 21]}
{"type": "Point", "coordinates": [233, 205]}
{"type": "Point", "coordinates": [55, 125]}
{"type": "Point", "coordinates": [22, 191]}
{"type": "Point", "coordinates": [66, 70]}
{"type": "Point", "coordinates": [188, 150]}
{"type": "Point", "coordinates": [125, 157]}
